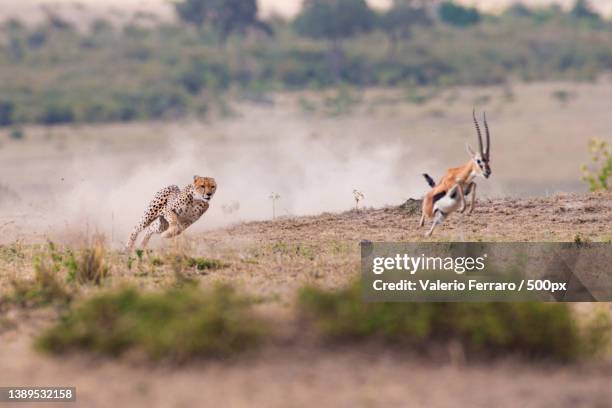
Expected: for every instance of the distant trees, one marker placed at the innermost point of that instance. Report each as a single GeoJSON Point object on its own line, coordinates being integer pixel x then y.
{"type": "Point", "coordinates": [224, 16]}
{"type": "Point", "coordinates": [582, 9]}
{"type": "Point", "coordinates": [457, 15]}
{"type": "Point", "coordinates": [399, 21]}
{"type": "Point", "coordinates": [334, 20]}
{"type": "Point", "coordinates": [518, 10]}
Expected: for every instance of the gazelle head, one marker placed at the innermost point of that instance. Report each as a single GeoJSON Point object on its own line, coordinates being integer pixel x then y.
{"type": "Point", "coordinates": [482, 158]}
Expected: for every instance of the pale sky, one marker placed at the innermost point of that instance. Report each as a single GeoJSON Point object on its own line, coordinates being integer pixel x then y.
{"type": "Point", "coordinates": [28, 8]}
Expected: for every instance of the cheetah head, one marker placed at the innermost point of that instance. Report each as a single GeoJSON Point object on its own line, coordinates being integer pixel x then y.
{"type": "Point", "coordinates": [204, 187]}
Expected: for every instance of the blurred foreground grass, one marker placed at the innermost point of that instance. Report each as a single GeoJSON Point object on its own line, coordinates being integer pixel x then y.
{"type": "Point", "coordinates": [176, 324]}
{"type": "Point", "coordinates": [548, 330]}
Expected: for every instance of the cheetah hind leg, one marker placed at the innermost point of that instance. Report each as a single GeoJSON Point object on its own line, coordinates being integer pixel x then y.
{"type": "Point", "coordinates": [132, 240]}
{"type": "Point", "coordinates": [134, 235]}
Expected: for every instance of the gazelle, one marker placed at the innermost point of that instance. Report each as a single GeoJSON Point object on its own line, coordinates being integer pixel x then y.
{"type": "Point", "coordinates": [449, 194]}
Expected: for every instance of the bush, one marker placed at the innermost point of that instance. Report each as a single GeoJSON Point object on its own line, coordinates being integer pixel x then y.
{"type": "Point", "coordinates": [45, 289]}
{"type": "Point", "coordinates": [601, 155]}
{"type": "Point", "coordinates": [178, 325]}
{"type": "Point", "coordinates": [55, 113]}
{"type": "Point", "coordinates": [457, 15]}
{"type": "Point", "coordinates": [7, 110]}
{"type": "Point", "coordinates": [17, 134]}
{"type": "Point", "coordinates": [334, 19]}
{"type": "Point", "coordinates": [202, 264]}
{"type": "Point", "coordinates": [88, 267]}
{"type": "Point", "coordinates": [533, 329]}
{"type": "Point", "coordinates": [583, 10]}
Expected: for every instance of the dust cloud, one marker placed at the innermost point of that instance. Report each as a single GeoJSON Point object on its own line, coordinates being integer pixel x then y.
{"type": "Point", "coordinates": [107, 191]}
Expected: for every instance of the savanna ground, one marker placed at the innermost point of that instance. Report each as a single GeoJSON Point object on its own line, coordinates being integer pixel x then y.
{"type": "Point", "coordinates": [67, 185]}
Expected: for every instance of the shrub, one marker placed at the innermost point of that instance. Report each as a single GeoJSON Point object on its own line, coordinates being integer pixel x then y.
{"type": "Point", "coordinates": [17, 134]}
{"type": "Point", "coordinates": [55, 113]}
{"type": "Point", "coordinates": [177, 325]}
{"type": "Point", "coordinates": [533, 329]}
{"type": "Point", "coordinates": [7, 111]}
{"type": "Point", "coordinates": [204, 263]}
{"type": "Point", "coordinates": [88, 267]}
{"type": "Point", "coordinates": [457, 15]}
{"type": "Point", "coordinates": [334, 19]}
{"type": "Point", "coordinates": [226, 16]}
{"type": "Point", "coordinates": [44, 289]}
{"type": "Point", "coordinates": [583, 10]}
{"type": "Point", "coordinates": [562, 96]}
{"type": "Point", "coordinates": [38, 38]}
{"type": "Point", "coordinates": [601, 155]}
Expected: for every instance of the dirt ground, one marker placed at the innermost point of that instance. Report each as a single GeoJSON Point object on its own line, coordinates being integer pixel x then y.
{"type": "Point", "coordinates": [273, 259]}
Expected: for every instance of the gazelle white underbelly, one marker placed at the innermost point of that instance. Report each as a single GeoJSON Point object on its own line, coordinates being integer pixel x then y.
{"type": "Point", "coordinates": [450, 202]}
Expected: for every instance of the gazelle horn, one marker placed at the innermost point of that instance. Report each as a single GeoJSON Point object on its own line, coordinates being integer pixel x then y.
{"type": "Point", "coordinates": [488, 149]}
{"type": "Point", "coordinates": [478, 131]}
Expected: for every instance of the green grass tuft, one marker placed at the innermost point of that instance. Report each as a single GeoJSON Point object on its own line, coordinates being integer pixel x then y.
{"type": "Point", "coordinates": [176, 325]}
{"type": "Point", "coordinates": [202, 264]}
{"type": "Point", "coordinates": [89, 267]}
{"type": "Point", "coordinates": [533, 329]}
{"type": "Point", "coordinates": [45, 289]}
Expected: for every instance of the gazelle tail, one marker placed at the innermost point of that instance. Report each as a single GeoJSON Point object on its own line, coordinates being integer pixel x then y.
{"type": "Point", "coordinates": [429, 180]}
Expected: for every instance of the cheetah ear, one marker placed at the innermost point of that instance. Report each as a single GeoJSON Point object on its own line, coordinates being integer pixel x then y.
{"type": "Point", "coordinates": [195, 177]}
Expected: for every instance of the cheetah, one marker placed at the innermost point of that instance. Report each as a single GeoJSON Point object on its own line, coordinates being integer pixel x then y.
{"type": "Point", "coordinates": [173, 210]}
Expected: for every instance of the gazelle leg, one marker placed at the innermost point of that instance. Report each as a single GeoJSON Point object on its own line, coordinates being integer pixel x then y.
{"type": "Point", "coordinates": [473, 201]}
{"type": "Point", "coordinates": [426, 208]}
{"type": "Point", "coordinates": [461, 197]}
{"type": "Point", "coordinates": [438, 219]}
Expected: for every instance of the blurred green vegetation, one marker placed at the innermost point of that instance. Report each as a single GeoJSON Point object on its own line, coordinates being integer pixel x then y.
{"type": "Point", "coordinates": [176, 325]}
{"type": "Point", "coordinates": [54, 72]}
{"type": "Point", "coordinates": [547, 330]}
{"type": "Point", "coordinates": [598, 174]}
{"type": "Point", "coordinates": [44, 289]}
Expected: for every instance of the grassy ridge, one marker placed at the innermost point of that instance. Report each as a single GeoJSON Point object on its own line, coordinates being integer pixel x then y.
{"type": "Point", "coordinates": [54, 75]}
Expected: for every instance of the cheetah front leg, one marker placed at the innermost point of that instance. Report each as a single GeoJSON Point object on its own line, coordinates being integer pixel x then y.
{"type": "Point", "coordinates": [174, 225]}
